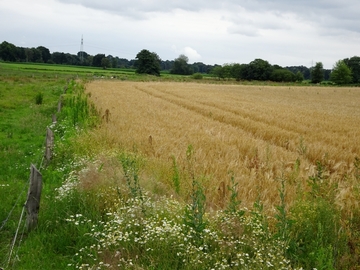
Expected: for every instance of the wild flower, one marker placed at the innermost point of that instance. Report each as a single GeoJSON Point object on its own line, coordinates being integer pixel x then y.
{"type": "Point", "coordinates": [158, 237]}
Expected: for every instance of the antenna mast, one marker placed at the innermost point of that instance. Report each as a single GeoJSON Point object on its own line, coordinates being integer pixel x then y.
{"type": "Point", "coordinates": [82, 49]}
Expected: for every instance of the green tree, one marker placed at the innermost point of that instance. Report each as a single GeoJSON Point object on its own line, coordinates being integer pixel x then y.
{"type": "Point", "coordinates": [147, 63]}
{"type": "Point", "coordinates": [218, 72]}
{"type": "Point", "coordinates": [58, 57]}
{"type": "Point", "coordinates": [45, 53]}
{"type": "Point", "coordinates": [299, 76]}
{"type": "Point", "coordinates": [317, 73]}
{"type": "Point", "coordinates": [226, 70]}
{"type": "Point", "coordinates": [354, 64]}
{"type": "Point", "coordinates": [97, 60]}
{"type": "Point", "coordinates": [237, 71]}
{"type": "Point", "coordinates": [258, 69]}
{"type": "Point", "coordinates": [181, 66]}
{"type": "Point", "coordinates": [282, 75]}
{"type": "Point", "coordinates": [36, 56]}
{"type": "Point", "coordinates": [8, 51]}
{"type": "Point", "coordinates": [105, 63]}
{"type": "Point", "coordinates": [341, 73]}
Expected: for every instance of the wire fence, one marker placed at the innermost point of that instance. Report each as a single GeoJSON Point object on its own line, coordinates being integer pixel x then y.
{"type": "Point", "coordinates": [34, 185]}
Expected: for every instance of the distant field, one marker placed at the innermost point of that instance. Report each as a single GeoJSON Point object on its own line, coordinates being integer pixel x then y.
{"type": "Point", "coordinates": [64, 69]}
{"type": "Point", "coordinates": [258, 134]}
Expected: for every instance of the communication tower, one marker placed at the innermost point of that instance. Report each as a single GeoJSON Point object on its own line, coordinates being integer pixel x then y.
{"type": "Point", "coordinates": [82, 49]}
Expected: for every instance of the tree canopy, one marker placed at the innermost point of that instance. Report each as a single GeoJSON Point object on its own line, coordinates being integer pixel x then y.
{"type": "Point", "coordinates": [147, 63]}
{"type": "Point", "coordinates": [181, 66]}
{"type": "Point", "coordinates": [317, 73]}
{"type": "Point", "coordinates": [150, 63]}
{"type": "Point", "coordinates": [354, 64]}
{"type": "Point", "coordinates": [341, 73]}
{"type": "Point", "coordinates": [259, 70]}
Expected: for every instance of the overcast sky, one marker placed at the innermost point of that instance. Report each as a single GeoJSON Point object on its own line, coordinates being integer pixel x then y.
{"type": "Point", "coordinates": [283, 32]}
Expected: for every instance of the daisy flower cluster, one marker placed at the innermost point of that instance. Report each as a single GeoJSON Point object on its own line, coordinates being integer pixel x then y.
{"type": "Point", "coordinates": [147, 233]}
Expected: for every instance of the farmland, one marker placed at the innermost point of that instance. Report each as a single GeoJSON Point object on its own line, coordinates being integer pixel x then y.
{"type": "Point", "coordinates": [258, 134]}
{"type": "Point", "coordinates": [149, 173]}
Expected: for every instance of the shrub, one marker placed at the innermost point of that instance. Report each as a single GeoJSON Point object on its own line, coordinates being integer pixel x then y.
{"type": "Point", "coordinates": [197, 76]}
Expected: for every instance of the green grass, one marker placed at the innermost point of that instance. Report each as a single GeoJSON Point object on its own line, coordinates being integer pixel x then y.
{"type": "Point", "coordinates": [22, 132]}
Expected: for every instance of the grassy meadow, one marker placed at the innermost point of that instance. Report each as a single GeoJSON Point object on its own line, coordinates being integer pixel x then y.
{"type": "Point", "coordinates": [149, 173]}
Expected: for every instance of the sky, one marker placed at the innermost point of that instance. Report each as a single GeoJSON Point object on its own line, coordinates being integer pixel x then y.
{"type": "Point", "coordinates": [283, 32]}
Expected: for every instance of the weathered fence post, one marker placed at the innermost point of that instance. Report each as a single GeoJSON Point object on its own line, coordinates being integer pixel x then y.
{"type": "Point", "coordinates": [53, 117]}
{"type": "Point", "coordinates": [32, 204]}
{"type": "Point", "coordinates": [59, 105]}
{"type": "Point", "coordinates": [49, 145]}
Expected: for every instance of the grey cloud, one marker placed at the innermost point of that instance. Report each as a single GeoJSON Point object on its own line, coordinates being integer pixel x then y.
{"type": "Point", "coordinates": [321, 13]}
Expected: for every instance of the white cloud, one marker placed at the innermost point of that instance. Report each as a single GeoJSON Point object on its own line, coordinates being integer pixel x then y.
{"type": "Point", "coordinates": [191, 53]}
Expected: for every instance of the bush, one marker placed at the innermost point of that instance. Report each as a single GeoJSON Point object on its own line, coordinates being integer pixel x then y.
{"type": "Point", "coordinates": [197, 76]}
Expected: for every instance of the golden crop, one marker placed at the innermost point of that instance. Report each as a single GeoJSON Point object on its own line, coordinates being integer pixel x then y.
{"type": "Point", "coordinates": [254, 133]}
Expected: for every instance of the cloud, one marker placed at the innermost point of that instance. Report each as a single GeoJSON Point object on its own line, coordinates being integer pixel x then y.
{"type": "Point", "coordinates": [285, 32]}
{"type": "Point", "coordinates": [191, 53]}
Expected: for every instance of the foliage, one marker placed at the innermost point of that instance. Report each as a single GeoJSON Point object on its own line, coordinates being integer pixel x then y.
{"type": "Point", "coordinates": [222, 72]}
{"type": "Point", "coordinates": [147, 63]}
{"type": "Point", "coordinates": [299, 76]}
{"type": "Point", "coordinates": [318, 242]}
{"type": "Point", "coordinates": [317, 73]}
{"type": "Point", "coordinates": [197, 76]}
{"type": "Point", "coordinates": [258, 69]}
{"type": "Point", "coordinates": [131, 165]}
{"type": "Point", "coordinates": [181, 66]}
{"type": "Point", "coordinates": [304, 71]}
{"type": "Point", "coordinates": [105, 63]}
{"type": "Point", "coordinates": [354, 64]}
{"type": "Point", "coordinates": [237, 71]}
{"type": "Point", "coordinates": [218, 72]}
{"type": "Point", "coordinates": [234, 203]}
{"type": "Point", "coordinates": [176, 176]}
{"type": "Point", "coordinates": [97, 60]}
{"type": "Point", "coordinates": [341, 73]}
{"type": "Point", "coordinates": [315, 231]}
{"type": "Point", "coordinates": [282, 75]}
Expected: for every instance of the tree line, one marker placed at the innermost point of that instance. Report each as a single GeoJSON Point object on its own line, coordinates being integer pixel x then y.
{"type": "Point", "coordinates": [345, 71]}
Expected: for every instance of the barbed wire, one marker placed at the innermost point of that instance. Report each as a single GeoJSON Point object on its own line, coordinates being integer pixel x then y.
{"type": "Point", "coordinates": [12, 209]}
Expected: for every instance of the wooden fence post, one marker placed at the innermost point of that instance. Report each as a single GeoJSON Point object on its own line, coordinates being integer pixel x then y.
{"type": "Point", "coordinates": [32, 204]}
{"type": "Point", "coordinates": [49, 145]}
{"type": "Point", "coordinates": [53, 117]}
{"type": "Point", "coordinates": [59, 105]}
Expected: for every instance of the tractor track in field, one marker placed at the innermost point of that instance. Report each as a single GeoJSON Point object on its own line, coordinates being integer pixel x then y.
{"type": "Point", "coordinates": [258, 128]}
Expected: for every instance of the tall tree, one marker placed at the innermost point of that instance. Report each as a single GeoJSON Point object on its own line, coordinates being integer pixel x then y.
{"type": "Point", "coordinates": [236, 71]}
{"type": "Point", "coordinates": [7, 51]}
{"type": "Point", "coordinates": [105, 63]}
{"type": "Point", "coordinates": [317, 73]}
{"type": "Point", "coordinates": [354, 64]}
{"type": "Point", "coordinates": [258, 69]}
{"type": "Point", "coordinates": [45, 53]}
{"type": "Point", "coordinates": [36, 56]}
{"type": "Point", "coordinates": [218, 71]}
{"type": "Point", "coordinates": [147, 63]}
{"type": "Point", "coordinates": [181, 66]}
{"type": "Point", "coordinates": [97, 60]}
{"type": "Point", "coordinates": [341, 73]}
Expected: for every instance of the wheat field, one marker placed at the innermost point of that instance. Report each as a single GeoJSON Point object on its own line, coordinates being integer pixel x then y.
{"type": "Point", "coordinates": [259, 135]}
